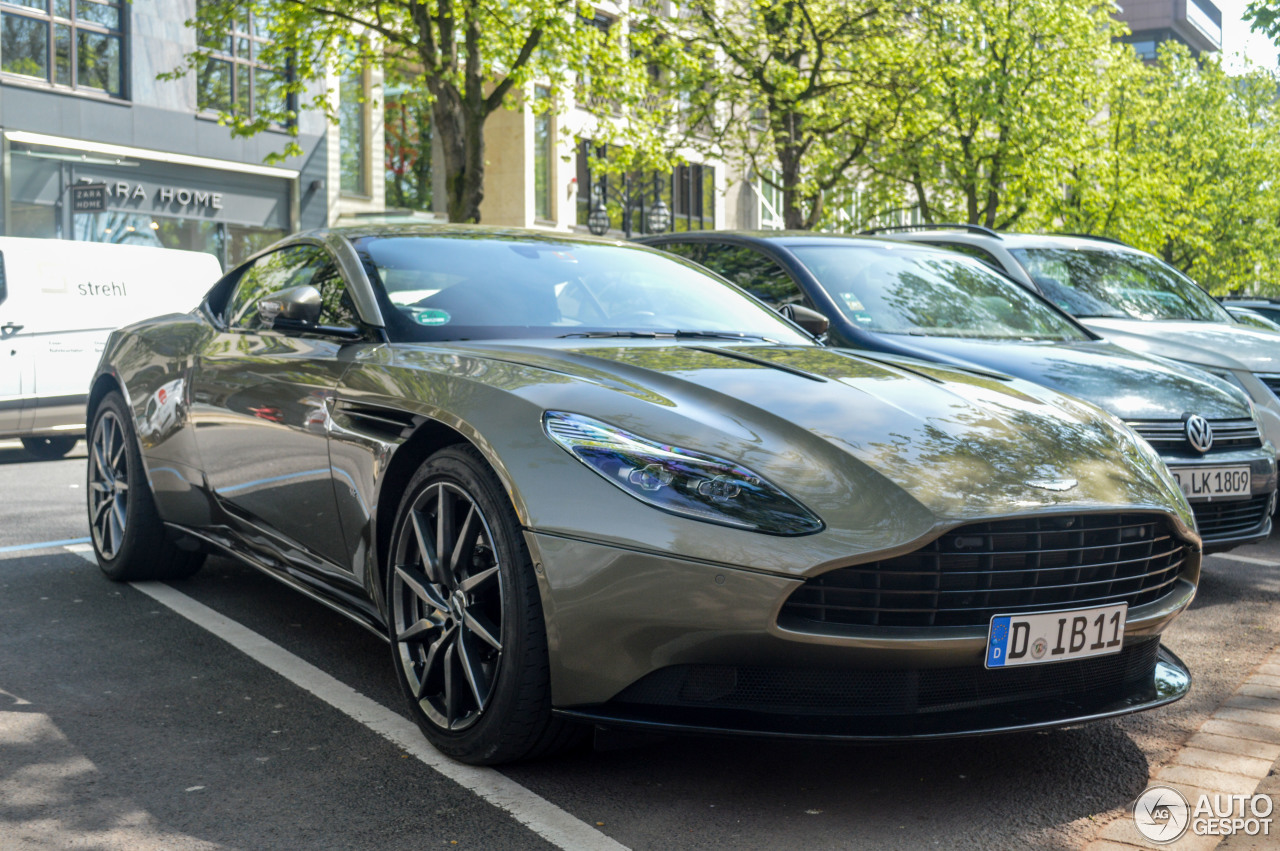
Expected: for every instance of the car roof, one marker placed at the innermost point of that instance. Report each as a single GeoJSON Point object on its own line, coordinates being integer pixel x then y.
{"type": "Point", "coordinates": [983, 236]}
{"type": "Point", "coordinates": [783, 238]}
{"type": "Point", "coordinates": [455, 231]}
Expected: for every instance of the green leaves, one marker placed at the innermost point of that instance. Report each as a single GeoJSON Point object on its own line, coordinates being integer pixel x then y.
{"type": "Point", "coordinates": [1183, 165]}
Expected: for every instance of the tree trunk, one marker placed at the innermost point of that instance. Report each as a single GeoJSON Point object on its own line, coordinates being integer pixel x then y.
{"type": "Point", "coordinates": [787, 143]}
{"type": "Point", "coordinates": [461, 133]}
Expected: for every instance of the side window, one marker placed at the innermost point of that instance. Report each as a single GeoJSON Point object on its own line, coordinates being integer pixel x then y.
{"type": "Point", "coordinates": [295, 266]}
{"type": "Point", "coordinates": [4, 290]}
{"type": "Point", "coordinates": [757, 274]}
{"type": "Point", "coordinates": [973, 251]}
{"type": "Point", "coordinates": [694, 251]}
{"type": "Point", "coordinates": [337, 307]}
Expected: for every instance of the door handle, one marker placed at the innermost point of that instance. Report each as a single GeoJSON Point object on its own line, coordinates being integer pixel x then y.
{"type": "Point", "coordinates": [10, 328]}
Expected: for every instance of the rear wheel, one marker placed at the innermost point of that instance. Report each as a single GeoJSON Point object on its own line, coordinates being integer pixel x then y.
{"type": "Point", "coordinates": [128, 536]}
{"type": "Point", "coordinates": [465, 620]}
{"type": "Point", "coordinates": [48, 448]}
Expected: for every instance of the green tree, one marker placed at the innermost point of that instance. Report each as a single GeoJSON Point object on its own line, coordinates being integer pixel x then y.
{"type": "Point", "coordinates": [1004, 112]}
{"type": "Point", "coordinates": [795, 92]}
{"type": "Point", "coordinates": [1185, 166]}
{"type": "Point", "coordinates": [466, 58]}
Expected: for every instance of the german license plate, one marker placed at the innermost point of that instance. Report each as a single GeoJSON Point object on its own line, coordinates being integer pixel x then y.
{"type": "Point", "coordinates": [1034, 639]}
{"type": "Point", "coordinates": [1202, 482]}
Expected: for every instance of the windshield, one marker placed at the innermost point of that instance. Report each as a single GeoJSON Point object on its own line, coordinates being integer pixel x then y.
{"type": "Point", "coordinates": [932, 294]}
{"type": "Point", "coordinates": [1097, 282]}
{"type": "Point", "coordinates": [435, 288]}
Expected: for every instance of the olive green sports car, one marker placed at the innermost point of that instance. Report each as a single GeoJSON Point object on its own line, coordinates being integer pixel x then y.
{"type": "Point", "coordinates": [575, 482]}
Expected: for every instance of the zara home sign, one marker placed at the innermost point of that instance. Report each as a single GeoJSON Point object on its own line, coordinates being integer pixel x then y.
{"type": "Point", "coordinates": [124, 192]}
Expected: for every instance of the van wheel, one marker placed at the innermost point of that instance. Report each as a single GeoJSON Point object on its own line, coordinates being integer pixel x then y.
{"type": "Point", "coordinates": [48, 448]}
{"type": "Point", "coordinates": [128, 536]}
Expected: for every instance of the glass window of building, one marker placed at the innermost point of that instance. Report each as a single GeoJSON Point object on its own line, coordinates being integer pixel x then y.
{"type": "Point", "coordinates": [693, 201]}
{"type": "Point", "coordinates": [233, 78]}
{"type": "Point", "coordinates": [353, 124]}
{"type": "Point", "coordinates": [688, 193]}
{"type": "Point", "coordinates": [77, 44]}
{"type": "Point", "coordinates": [407, 125]}
{"type": "Point", "coordinates": [543, 156]}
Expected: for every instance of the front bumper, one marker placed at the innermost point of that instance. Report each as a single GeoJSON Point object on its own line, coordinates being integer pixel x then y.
{"type": "Point", "coordinates": [1226, 523]}
{"type": "Point", "coordinates": [1145, 677]}
{"type": "Point", "coordinates": [646, 639]}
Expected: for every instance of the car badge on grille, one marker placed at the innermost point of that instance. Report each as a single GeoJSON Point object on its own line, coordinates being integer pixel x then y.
{"type": "Point", "coordinates": [1199, 432]}
{"type": "Point", "coordinates": [1054, 484]}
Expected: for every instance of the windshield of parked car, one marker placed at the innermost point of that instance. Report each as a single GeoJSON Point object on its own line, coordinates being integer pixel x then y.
{"type": "Point", "coordinates": [1127, 283]}
{"type": "Point", "coordinates": [931, 293]}
{"type": "Point", "coordinates": [438, 288]}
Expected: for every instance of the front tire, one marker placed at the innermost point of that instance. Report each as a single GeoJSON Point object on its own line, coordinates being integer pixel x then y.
{"type": "Point", "coordinates": [48, 448]}
{"type": "Point", "coordinates": [128, 536]}
{"type": "Point", "coordinates": [465, 617]}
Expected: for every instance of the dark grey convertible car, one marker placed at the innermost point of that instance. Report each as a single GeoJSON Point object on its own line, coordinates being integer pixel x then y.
{"type": "Point", "coordinates": [575, 482]}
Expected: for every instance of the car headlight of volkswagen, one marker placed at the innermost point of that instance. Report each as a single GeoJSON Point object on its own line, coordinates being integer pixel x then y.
{"type": "Point", "coordinates": [680, 481]}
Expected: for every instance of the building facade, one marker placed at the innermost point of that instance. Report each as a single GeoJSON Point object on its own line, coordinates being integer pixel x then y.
{"type": "Point", "coordinates": [97, 144]}
{"type": "Point", "coordinates": [1194, 23]}
{"type": "Point", "coordinates": [81, 105]}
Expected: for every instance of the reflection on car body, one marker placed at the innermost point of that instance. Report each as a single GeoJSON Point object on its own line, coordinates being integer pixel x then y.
{"type": "Point", "coordinates": [924, 302]}
{"type": "Point", "coordinates": [576, 482]}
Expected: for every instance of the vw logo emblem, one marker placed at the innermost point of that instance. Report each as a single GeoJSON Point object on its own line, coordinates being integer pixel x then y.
{"type": "Point", "coordinates": [1199, 432]}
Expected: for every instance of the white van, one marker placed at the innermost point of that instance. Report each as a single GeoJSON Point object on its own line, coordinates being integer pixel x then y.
{"type": "Point", "coordinates": [59, 300]}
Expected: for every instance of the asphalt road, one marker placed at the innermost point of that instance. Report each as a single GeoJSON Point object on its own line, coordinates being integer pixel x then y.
{"type": "Point", "coordinates": [125, 725]}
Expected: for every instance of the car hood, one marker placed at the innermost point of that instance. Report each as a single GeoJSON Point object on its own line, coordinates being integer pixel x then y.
{"type": "Point", "coordinates": [883, 446]}
{"type": "Point", "coordinates": [1131, 386]}
{"type": "Point", "coordinates": [1213, 344]}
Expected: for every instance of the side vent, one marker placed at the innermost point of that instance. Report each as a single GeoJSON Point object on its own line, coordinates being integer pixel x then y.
{"type": "Point", "coordinates": [375, 420]}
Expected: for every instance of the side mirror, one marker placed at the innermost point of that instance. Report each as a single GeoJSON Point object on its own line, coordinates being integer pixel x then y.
{"type": "Point", "coordinates": [810, 320]}
{"type": "Point", "coordinates": [297, 306]}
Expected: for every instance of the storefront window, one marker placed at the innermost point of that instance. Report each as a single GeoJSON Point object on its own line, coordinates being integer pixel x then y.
{"type": "Point", "coordinates": [147, 203]}
{"type": "Point", "coordinates": [407, 124]}
{"type": "Point", "coordinates": [33, 220]}
{"type": "Point", "coordinates": [77, 45]}
{"type": "Point", "coordinates": [242, 242]}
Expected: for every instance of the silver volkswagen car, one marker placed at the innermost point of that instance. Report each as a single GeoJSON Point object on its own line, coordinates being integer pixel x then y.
{"type": "Point", "coordinates": [1129, 297]}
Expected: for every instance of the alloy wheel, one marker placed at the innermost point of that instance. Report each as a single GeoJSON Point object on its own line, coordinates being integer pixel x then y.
{"type": "Point", "coordinates": [108, 484]}
{"type": "Point", "coordinates": [447, 606]}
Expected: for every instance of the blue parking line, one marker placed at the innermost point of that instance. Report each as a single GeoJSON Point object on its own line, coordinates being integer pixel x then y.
{"type": "Point", "coordinates": [43, 545]}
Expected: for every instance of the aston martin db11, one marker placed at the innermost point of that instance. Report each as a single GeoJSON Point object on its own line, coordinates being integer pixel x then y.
{"type": "Point", "coordinates": [575, 482]}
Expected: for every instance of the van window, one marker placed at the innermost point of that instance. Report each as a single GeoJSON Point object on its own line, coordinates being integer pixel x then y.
{"type": "Point", "coordinates": [295, 266]}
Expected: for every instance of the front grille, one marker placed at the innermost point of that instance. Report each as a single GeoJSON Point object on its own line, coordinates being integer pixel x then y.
{"type": "Point", "coordinates": [890, 692]}
{"type": "Point", "coordinates": [1228, 519]}
{"type": "Point", "coordinates": [972, 573]}
{"type": "Point", "coordinates": [1171, 435]}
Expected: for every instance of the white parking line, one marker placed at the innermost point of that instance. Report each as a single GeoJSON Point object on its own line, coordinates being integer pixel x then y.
{"type": "Point", "coordinates": [530, 809]}
{"type": "Point", "coordinates": [43, 545]}
{"type": "Point", "coordinates": [1247, 559]}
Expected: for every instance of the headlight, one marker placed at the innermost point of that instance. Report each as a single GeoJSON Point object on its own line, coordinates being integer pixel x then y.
{"type": "Point", "coordinates": [679, 480]}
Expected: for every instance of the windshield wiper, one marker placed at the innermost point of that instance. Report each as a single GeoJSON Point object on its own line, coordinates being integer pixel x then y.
{"type": "Point", "coordinates": [647, 335]}
{"type": "Point", "coordinates": [675, 335]}
{"type": "Point", "coordinates": [725, 335]}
